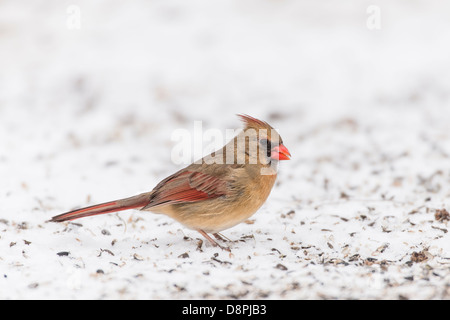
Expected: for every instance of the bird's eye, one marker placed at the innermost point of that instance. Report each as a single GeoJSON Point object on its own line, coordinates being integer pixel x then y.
{"type": "Point", "coordinates": [265, 143]}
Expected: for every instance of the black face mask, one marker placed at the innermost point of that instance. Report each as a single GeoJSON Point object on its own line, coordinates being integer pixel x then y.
{"type": "Point", "coordinates": [267, 146]}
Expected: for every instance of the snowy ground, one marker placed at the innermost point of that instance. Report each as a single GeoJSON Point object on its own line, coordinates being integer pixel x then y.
{"type": "Point", "coordinates": [86, 116]}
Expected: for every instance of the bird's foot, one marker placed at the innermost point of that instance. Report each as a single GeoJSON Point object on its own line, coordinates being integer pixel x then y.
{"type": "Point", "coordinates": [212, 241]}
{"type": "Point", "coordinates": [221, 237]}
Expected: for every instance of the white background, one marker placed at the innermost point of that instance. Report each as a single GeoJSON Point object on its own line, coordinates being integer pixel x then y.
{"type": "Point", "coordinates": [88, 107]}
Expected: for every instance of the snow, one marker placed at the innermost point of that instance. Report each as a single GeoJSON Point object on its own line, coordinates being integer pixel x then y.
{"type": "Point", "coordinates": [87, 115]}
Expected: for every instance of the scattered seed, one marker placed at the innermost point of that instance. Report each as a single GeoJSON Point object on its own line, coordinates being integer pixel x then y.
{"type": "Point", "coordinates": [184, 255]}
{"type": "Point", "coordinates": [275, 249]}
{"type": "Point", "coordinates": [441, 215]}
{"type": "Point", "coordinates": [281, 267]}
{"type": "Point", "coordinates": [199, 245]}
{"type": "Point", "coordinates": [138, 257]}
{"type": "Point", "coordinates": [220, 261]}
{"type": "Point", "coordinates": [22, 226]}
{"type": "Point", "coordinates": [354, 257]}
{"type": "Point", "coordinates": [418, 256]}
{"type": "Point", "coordinates": [33, 285]}
{"type": "Point", "coordinates": [442, 229]}
{"type": "Point", "coordinates": [105, 250]}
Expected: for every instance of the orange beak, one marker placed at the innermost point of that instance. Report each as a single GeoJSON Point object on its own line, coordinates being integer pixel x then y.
{"type": "Point", "coordinates": [280, 153]}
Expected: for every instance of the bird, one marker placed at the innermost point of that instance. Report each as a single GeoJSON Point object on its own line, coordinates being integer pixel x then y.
{"type": "Point", "coordinates": [216, 193]}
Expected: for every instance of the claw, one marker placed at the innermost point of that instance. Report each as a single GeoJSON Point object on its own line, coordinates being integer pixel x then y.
{"type": "Point", "coordinates": [211, 240]}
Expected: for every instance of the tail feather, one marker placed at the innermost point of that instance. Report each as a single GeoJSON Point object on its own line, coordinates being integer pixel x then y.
{"type": "Point", "coordinates": [136, 202]}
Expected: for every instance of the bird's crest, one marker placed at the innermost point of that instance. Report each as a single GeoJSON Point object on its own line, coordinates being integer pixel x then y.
{"type": "Point", "coordinates": [254, 123]}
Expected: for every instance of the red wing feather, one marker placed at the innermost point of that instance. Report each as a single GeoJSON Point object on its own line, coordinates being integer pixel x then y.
{"type": "Point", "coordinates": [187, 187]}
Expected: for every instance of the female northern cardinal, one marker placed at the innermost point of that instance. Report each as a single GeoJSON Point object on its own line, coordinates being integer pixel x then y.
{"type": "Point", "coordinates": [223, 189]}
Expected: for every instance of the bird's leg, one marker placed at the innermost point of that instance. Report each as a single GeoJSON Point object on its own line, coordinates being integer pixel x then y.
{"type": "Point", "coordinates": [211, 240]}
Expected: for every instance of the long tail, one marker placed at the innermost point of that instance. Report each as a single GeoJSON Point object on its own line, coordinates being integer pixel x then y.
{"type": "Point", "coordinates": [136, 202]}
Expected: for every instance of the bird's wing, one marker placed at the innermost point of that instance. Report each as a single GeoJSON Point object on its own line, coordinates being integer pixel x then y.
{"type": "Point", "coordinates": [187, 186]}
